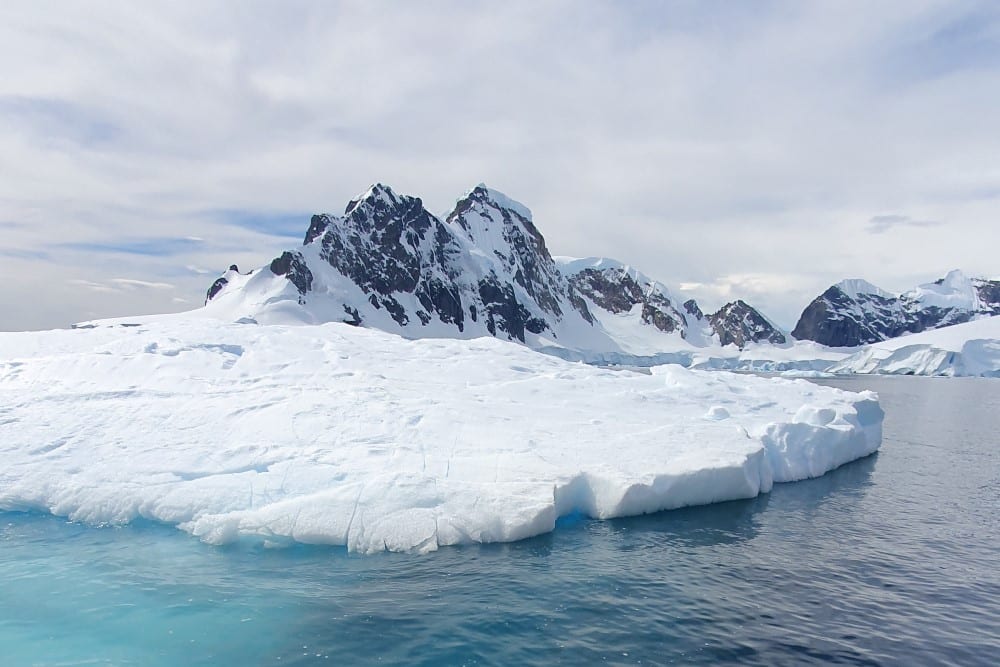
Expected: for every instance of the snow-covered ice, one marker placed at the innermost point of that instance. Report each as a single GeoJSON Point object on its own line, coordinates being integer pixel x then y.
{"type": "Point", "coordinates": [955, 290]}
{"type": "Point", "coordinates": [339, 435]}
{"type": "Point", "coordinates": [968, 349]}
{"type": "Point", "coordinates": [854, 287]}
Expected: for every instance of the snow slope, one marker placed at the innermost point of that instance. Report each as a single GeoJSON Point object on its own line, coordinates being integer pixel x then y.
{"type": "Point", "coordinates": [858, 287]}
{"type": "Point", "coordinates": [969, 349]}
{"type": "Point", "coordinates": [342, 435]}
{"type": "Point", "coordinates": [954, 291]}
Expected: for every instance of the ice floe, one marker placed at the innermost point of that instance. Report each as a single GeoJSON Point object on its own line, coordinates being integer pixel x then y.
{"type": "Point", "coordinates": [338, 435]}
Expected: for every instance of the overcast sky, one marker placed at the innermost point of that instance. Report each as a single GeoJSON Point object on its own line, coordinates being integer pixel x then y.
{"type": "Point", "coordinates": [755, 150]}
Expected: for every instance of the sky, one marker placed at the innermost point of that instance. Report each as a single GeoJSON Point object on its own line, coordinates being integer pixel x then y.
{"type": "Point", "coordinates": [754, 150]}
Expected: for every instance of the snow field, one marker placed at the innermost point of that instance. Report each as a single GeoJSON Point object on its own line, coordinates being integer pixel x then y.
{"type": "Point", "coordinates": [335, 435]}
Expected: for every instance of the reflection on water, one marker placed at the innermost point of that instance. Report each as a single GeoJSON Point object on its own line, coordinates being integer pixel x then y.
{"type": "Point", "coordinates": [888, 560]}
{"type": "Point", "coordinates": [707, 525]}
{"type": "Point", "coordinates": [725, 523]}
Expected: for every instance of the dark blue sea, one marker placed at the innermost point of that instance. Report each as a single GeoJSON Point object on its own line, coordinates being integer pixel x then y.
{"type": "Point", "coordinates": [891, 560]}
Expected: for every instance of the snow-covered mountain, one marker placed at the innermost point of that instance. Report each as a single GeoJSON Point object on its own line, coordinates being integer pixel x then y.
{"type": "Point", "coordinates": [388, 263]}
{"type": "Point", "coordinates": [855, 312]}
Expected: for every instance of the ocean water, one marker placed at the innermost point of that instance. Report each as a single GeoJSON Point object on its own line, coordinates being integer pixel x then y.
{"type": "Point", "coordinates": [891, 560]}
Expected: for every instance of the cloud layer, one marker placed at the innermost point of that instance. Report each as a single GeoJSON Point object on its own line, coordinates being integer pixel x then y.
{"type": "Point", "coordinates": [744, 150]}
{"type": "Point", "coordinates": [879, 224]}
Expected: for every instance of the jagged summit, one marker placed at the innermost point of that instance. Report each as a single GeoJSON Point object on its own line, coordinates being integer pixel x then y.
{"type": "Point", "coordinates": [377, 194]}
{"type": "Point", "coordinates": [484, 269]}
{"type": "Point", "coordinates": [497, 199]}
{"type": "Point", "coordinates": [738, 323]}
{"type": "Point", "coordinates": [619, 289]}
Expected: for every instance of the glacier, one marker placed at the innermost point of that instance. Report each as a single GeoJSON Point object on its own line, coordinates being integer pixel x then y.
{"type": "Point", "coordinates": [341, 435]}
{"type": "Point", "coordinates": [970, 349]}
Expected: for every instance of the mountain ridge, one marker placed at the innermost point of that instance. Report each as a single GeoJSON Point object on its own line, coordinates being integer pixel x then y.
{"type": "Point", "coordinates": [855, 312]}
{"type": "Point", "coordinates": [484, 269]}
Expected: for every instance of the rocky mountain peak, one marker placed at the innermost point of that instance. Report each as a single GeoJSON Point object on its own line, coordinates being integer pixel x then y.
{"type": "Point", "coordinates": [495, 213]}
{"type": "Point", "coordinates": [692, 308]}
{"type": "Point", "coordinates": [502, 229]}
{"type": "Point", "coordinates": [855, 312]}
{"type": "Point", "coordinates": [484, 270]}
{"type": "Point", "coordinates": [738, 323]}
{"type": "Point", "coordinates": [377, 197]}
{"type": "Point", "coordinates": [617, 288]}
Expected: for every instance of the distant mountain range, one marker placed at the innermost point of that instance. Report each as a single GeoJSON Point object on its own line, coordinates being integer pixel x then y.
{"type": "Point", "coordinates": [855, 312]}
{"type": "Point", "coordinates": [484, 269]}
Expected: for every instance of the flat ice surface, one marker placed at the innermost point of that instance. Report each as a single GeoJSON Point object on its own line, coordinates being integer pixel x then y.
{"type": "Point", "coordinates": [336, 435]}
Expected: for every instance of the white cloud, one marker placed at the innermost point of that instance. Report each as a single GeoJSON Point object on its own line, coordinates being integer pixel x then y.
{"type": "Point", "coordinates": [132, 283]}
{"type": "Point", "coordinates": [90, 285]}
{"type": "Point", "coordinates": [879, 224]}
{"type": "Point", "coordinates": [201, 271]}
{"type": "Point", "coordinates": [700, 142]}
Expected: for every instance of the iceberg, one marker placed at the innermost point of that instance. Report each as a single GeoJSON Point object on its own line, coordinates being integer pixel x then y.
{"type": "Point", "coordinates": [332, 434]}
{"type": "Point", "coordinates": [971, 349]}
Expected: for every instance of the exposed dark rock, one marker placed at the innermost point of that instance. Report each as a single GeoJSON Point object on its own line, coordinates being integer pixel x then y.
{"type": "Point", "coordinates": [317, 225]}
{"type": "Point", "coordinates": [740, 324]}
{"type": "Point", "coordinates": [691, 308]}
{"type": "Point", "coordinates": [396, 311]}
{"type": "Point", "coordinates": [293, 266]}
{"type": "Point", "coordinates": [835, 318]}
{"type": "Point", "coordinates": [434, 295]}
{"type": "Point", "coordinates": [215, 288]}
{"type": "Point", "coordinates": [354, 315]}
{"type": "Point", "coordinates": [989, 296]}
{"type": "Point", "coordinates": [378, 244]}
{"type": "Point", "coordinates": [841, 319]}
{"type": "Point", "coordinates": [504, 312]}
{"type": "Point", "coordinates": [525, 255]}
{"type": "Point", "coordinates": [388, 244]}
{"type": "Point", "coordinates": [486, 266]}
{"type": "Point", "coordinates": [616, 291]}
{"type": "Point", "coordinates": [611, 289]}
{"type": "Point", "coordinates": [580, 305]}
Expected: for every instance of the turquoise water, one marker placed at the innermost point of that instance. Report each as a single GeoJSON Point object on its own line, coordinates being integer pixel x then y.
{"type": "Point", "coordinates": [889, 560]}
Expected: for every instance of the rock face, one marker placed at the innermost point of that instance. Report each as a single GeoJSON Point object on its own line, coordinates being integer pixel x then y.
{"type": "Point", "coordinates": [618, 289]}
{"type": "Point", "coordinates": [292, 265]}
{"type": "Point", "coordinates": [738, 323]}
{"type": "Point", "coordinates": [855, 312]}
{"type": "Point", "coordinates": [485, 266]}
{"type": "Point", "coordinates": [220, 283]}
{"type": "Point", "coordinates": [484, 269]}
